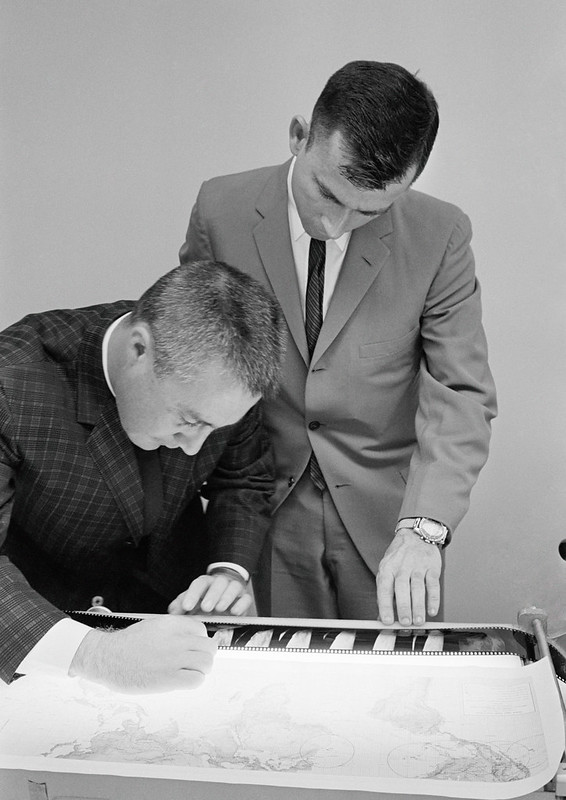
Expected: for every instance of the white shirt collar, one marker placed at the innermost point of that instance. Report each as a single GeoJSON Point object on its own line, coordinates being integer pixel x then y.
{"type": "Point", "coordinates": [295, 224]}
{"type": "Point", "coordinates": [105, 342]}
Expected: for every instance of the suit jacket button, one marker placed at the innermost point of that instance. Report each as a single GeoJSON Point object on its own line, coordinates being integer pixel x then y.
{"type": "Point", "coordinates": [291, 481]}
{"type": "Point", "coordinates": [313, 426]}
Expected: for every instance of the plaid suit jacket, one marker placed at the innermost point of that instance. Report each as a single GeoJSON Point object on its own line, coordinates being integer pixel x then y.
{"type": "Point", "coordinates": [71, 498]}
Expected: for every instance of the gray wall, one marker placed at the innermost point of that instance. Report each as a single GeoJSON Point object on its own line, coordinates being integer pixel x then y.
{"type": "Point", "coordinates": [114, 111]}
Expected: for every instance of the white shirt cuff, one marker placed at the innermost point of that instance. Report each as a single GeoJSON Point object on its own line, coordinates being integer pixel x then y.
{"type": "Point", "coordinates": [228, 565]}
{"type": "Point", "coordinates": [55, 651]}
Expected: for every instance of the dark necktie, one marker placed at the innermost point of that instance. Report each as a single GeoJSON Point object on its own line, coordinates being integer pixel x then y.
{"type": "Point", "coordinates": [315, 292]}
{"type": "Point", "coordinates": [152, 483]}
{"type": "Point", "coordinates": [313, 324]}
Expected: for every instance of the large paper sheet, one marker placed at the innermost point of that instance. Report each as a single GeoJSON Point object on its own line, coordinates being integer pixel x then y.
{"type": "Point", "coordinates": [413, 725]}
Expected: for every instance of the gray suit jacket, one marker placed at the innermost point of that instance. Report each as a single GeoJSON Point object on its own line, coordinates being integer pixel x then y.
{"type": "Point", "coordinates": [399, 379]}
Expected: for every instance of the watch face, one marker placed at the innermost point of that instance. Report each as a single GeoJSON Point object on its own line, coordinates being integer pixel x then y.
{"type": "Point", "coordinates": [433, 530]}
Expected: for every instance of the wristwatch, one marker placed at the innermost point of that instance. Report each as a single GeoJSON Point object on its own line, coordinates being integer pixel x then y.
{"type": "Point", "coordinates": [429, 530]}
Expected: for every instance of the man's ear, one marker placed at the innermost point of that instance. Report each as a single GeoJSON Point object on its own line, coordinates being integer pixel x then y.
{"type": "Point", "coordinates": [140, 343]}
{"type": "Point", "coordinates": [298, 134]}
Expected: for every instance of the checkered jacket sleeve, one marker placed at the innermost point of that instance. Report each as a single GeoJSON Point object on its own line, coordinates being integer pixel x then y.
{"type": "Point", "coordinates": [239, 491]}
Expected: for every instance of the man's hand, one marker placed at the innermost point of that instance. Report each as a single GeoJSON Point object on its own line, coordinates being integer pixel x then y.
{"type": "Point", "coordinates": [224, 591]}
{"type": "Point", "coordinates": [155, 655]}
{"type": "Point", "coordinates": [409, 573]}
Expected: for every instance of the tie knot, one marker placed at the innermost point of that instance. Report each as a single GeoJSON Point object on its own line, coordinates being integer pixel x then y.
{"type": "Point", "coordinates": [318, 246]}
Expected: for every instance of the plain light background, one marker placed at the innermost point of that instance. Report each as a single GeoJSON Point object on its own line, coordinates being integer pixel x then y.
{"type": "Point", "coordinates": [114, 111]}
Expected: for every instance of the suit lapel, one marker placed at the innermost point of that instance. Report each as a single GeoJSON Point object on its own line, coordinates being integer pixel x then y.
{"type": "Point", "coordinates": [114, 456]}
{"type": "Point", "coordinates": [362, 264]}
{"type": "Point", "coordinates": [273, 242]}
{"type": "Point", "coordinates": [177, 469]}
{"type": "Point", "coordinates": [364, 259]}
{"type": "Point", "coordinates": [108, 445]}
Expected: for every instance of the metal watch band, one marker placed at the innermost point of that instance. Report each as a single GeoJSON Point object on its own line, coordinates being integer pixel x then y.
{"type": "Point", "coordinates": [413, 523]}
{"type": "Point", "coordinates": [407, 522]}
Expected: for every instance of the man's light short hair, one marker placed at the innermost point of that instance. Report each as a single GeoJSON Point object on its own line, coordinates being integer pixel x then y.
{"type": "Point", "coordinates": [207, 312]}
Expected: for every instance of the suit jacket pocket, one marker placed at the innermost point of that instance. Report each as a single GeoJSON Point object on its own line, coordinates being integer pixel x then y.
{"type": "Point", "coordinates": [390, 347]}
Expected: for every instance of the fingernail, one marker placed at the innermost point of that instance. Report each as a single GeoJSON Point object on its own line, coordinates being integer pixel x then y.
{"type": "Point", "coordinates": [418, 620]}
{"type": "Point", "coordinates": [405, 621]}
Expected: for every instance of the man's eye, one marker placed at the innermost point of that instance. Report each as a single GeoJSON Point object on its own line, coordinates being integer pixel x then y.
{"type": "Point", "coordinates": [187, 423]}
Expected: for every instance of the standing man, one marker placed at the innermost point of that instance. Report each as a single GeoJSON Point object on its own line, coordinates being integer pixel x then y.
{"type": "Point", "coordinates": [112, 418]}
{"type": "Point", "coordinates": [383, 422]}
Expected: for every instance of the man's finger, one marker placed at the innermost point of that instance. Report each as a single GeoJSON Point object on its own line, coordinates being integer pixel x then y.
{"type": "Point", "coordinates": [189, 600]}
{"type": "Point", "coordinates": [230, 594]}
{"type": "Point", "coordinates": [403, 599]}
{"type": "Point", "coordinates": [214, 592]}
{"type": "Point", "coordinates": [241, 605]}
{"type": "Point", "coordinates": [433, 593]}
{"type": "Point", "coordinates": [187, 679]}
{"type": "Point", "coordinates": [199, 660]}
{"type": "Point", "coordinates": [385, 588]}
{"type": "Point", "coordinates": [418, 597]}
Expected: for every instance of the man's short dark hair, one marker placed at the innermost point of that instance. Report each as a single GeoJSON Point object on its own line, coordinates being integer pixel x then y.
{"type": "Point", "coordinates": [387, 117]}
{"type": "Point", "coordinates": [207, 312]}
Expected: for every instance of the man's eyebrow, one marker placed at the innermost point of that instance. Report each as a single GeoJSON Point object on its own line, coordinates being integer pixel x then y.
{"type": "Point", "coordinates": [331, 196]}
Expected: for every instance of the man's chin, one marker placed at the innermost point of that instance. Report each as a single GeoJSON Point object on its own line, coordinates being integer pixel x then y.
{"type": "Point", "coordinates": [320, 235]}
